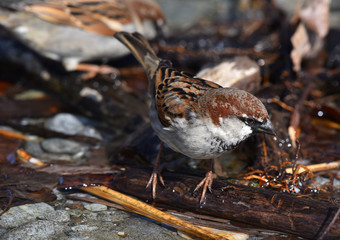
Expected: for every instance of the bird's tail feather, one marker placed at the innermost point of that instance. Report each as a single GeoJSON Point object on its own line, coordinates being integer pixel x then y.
{"type": "Point", "coordinates": [142, 51]}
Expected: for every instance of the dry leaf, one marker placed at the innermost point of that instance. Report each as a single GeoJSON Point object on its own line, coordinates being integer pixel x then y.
{"type": "Point", "coordinates": [301, 46]}
{"type": "Point", "coordinates": [316, 16]}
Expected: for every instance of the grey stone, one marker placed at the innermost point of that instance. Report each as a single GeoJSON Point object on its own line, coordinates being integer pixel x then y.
{"type": "Point", "coordinates": [95, 207]}
{"type": "Point", "coordinates": [41, 221]}
{"type": "Point", "coordinates": [115, 217]}
{"type": "Point", "coordinates": [2, 231]}
{"type": "Point", "coordinates": [79, 195]}
{"type": "Point", "coordinates": [91, 216]}
{"type": "Point", "coordinates": [17, 216]}
{"type": "Point", "coordinates": [91, 132]}
{"type": "Point", "coordinates": [72, 125]}
{"type": "Point", "coordinates": [58, 216]}
{"type": "Point", "coordinates": [84, 228]}
{"type": "Point", "coordinates": [320, 181]}
{"type": "Point", "coordinates": [35, 148]}
{"type": "Point", "coordinates": [75, 212]}
{"type": "Point", "coordinates": [65, 123]}
{"type": "Point", "coordinates": [41, 229]}
{"type": "Point", "coordinates": [59, 145]}
{"type": "Point", "coordinates": [138, 228]}
{"type": "Point", "coordinates": [58, 194]}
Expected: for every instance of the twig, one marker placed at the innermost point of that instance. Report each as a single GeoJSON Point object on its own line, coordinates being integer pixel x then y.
{"type": "Point", "coordinates": [11, 197]}
{"type": "Point", "coordinates": [12, 134]}
{"type": "Point", "coordinates": [317, 167]}
{"type": "Point", "coordinates": [23, 156]}
{"type": "Point", "coordinates": [329, 225]}
{"type": "Point", "coordinates": [280, 103]}
{"type": "Point", "coordinates": [293, 129]}
{"type": "Point", "coordinates": [150, 212]}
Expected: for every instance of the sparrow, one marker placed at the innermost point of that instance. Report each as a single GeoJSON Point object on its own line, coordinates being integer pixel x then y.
{"type": "Point", "coordinates": [104, 17]}
{"type": "Point", "coordinates": [78, 31]}
{"type": "Point", "coordinates": [193, 116]}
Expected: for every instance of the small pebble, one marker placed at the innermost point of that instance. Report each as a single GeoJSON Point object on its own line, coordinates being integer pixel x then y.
{"type": "Point", "coordinates": [59, 145]}
{"type": "Point", "coordinates": [53, 150]}
{"type": "Point", "coordinates": [29, 94]}
{"type": "Point", "coordinates": [122, 234]}
{"type": "Point", "coordinates": [69, 124]}
{"type": "Point", "coordinates": [95, 207]}
{"type": "Point", "coordinates": [90, 132]}
{"type": "Point", "coordinates": [84, 228]}
{"type": "Point", "coordinates": [65, 123]}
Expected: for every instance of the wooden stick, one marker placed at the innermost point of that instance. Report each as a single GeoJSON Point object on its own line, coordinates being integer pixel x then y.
{"type": "Point", "coordinates": [12, 134]}
{"type": "Point", "coordinates": [150, 212]}
{"type": "Point", "coordinates": [317, 167]}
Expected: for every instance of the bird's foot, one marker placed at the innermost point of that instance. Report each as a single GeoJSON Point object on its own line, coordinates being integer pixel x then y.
{"type": "Point", "coordinates": [153, 182]}
{"type": "Point", "coordinates": [206, 183]}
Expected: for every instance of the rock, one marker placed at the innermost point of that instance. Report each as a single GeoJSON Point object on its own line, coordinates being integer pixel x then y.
{"type": "Point", "coordinates": [2, 231]}
{"type": "Point", "coordinates": [58, 145]}
{"type": "Point", "coordinates": [65, 123]}
{"type": "Point", "coordinates": [238, 72]}
{"type": "Point", "coordinates": [35, 149]}
{"type": "Point", "coordinates": [58, 194]}
{"type": "Point", "coordinates": [95, 207]}
{"type": "Point", "coordinates": [42, 221]}
{"type": "Point", "coordinates": [72, 125]}
{"type": "Point", "coordinates": [137, 228]}
{"type": "Point", "coordinates": [18, 216]}
{"type": "Point", "coordinates": [320, 181]}
{"type": "Point", "coordinates": [91, 132]}
{"type": "Point", "coordinates": [84, 228]}
{"type": "Point", "coordinates": [61, 216]}
{"type": "Point", "coordinates": [36, 230]}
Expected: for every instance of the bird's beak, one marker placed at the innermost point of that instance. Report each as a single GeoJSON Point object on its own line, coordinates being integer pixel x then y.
{"type": "Point", "coordinates": [267, 128]}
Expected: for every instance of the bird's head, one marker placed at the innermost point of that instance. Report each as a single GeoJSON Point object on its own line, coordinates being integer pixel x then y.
{"type": "Point", "coordinates": [234, 114]}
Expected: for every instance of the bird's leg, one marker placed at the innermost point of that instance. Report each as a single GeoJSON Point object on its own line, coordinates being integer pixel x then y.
{"type": "Point", "coordinates": [156, 173]}
{"type": "Point", "coordinates": [207, 181]}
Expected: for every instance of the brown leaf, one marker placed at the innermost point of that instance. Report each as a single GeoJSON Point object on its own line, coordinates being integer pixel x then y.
{"type": "Point", "coordinates": [301, 46]}
{"type": "Point", "coordinates": [316, 16]}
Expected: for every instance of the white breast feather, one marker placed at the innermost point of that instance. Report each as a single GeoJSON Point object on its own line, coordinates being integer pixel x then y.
{"type": "Point", "coordinates": [195, 138]}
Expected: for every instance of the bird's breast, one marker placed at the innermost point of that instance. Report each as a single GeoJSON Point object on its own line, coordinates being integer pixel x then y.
{"type": "Point", "coordinates": [192, 138]}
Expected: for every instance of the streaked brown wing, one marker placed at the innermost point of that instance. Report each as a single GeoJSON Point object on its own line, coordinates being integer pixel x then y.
{"type": "Point", "coordinates": [97, 16]}
{"type": "Point", "coordinates": [178, 93]}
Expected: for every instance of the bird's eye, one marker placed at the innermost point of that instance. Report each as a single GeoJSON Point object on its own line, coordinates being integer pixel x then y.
{"type": "Point", "coordinates": [249, 121]}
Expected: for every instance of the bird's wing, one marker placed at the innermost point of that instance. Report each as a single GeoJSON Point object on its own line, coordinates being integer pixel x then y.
{"type": "Point", "coordinates": [177, 95]}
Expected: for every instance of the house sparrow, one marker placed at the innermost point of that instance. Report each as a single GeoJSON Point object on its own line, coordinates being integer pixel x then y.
{"type": "Point", "coordinates": [76, 31]}
{"type": "Point", "coordinates": [193, 116]}
{"type": "Point", "coordinates": [104, 17]}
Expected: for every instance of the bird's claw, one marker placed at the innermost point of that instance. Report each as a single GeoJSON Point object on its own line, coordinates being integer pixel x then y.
{"type": "Point", "coordinates": [206, 183]}
{"type": "Point", "coordinates": [153, 183]}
